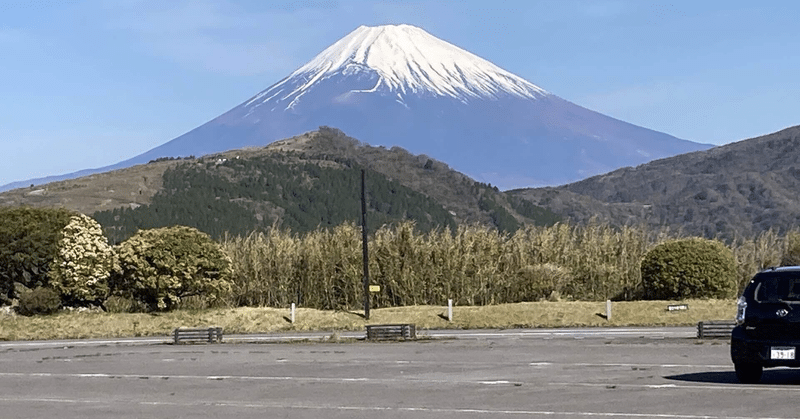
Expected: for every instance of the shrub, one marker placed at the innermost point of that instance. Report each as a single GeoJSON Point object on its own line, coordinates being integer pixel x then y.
{"type": "Point", "coordinates": [595, 281]}
{"type": "Point", "coordinates": [193, 302]}
{"type": "Point", "coordinates": [39, 300]}
{"type": "Point", "coordinates": [537, 282]}
{"type": "Point", "coordinates": [28, 244]}
{"type": "Point", "coordinates": [689, 268]}
{"type": "Point", "coordinates": [118, 304]}
{"type": "Point", "coordinates": [158, 267]}
{"type": "Point", "coordinates": [83, 263]}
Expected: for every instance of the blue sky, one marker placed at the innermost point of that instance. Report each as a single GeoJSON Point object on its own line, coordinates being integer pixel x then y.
{"type": "Point", "coordinates": [87, 84]}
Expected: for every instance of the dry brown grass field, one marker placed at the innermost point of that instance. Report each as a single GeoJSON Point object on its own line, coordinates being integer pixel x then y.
{"type": "Point", "coordinates": [73, 325]}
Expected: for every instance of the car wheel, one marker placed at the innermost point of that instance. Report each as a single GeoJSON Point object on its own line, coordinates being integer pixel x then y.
{"type": "Point", "coordinates": [748, 373]}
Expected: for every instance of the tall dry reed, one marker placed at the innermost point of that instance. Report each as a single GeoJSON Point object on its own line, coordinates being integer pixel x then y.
{"type": "Point", "coordinates": [472, 265]}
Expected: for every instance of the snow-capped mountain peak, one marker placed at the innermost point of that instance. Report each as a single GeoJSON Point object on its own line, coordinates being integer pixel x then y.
{"type": "Point", "coordinates": [400, 86]}
{"type": "Point", "coordinates": [405, 60]}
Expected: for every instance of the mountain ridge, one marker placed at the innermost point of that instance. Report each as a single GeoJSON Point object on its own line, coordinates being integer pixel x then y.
{"type": "Point", "coordinates": [739, 189]}
{"type": "Point", "coordinates": [483, 120]}
{"type": "Point", "coordinates": [240, 179]}
{"type": "Point", "coordinates": [742, 189]}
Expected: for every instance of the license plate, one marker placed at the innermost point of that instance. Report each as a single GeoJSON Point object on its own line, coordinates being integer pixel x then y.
{"type": "Point", "coordinates": [781, 353]}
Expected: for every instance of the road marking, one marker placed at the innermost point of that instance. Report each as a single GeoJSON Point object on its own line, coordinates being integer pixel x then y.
{"type": "Point", "coordinates": [411, 409]}
{"type": "Point", "coordinates": [407, 380]}
{"type": "Point", "coordinates": [568, 333]}
{"type": "Point", "coordinates": [72, 343]}
{"type": "Point", "coordinates": [653, 332]}
{"type": "Point", "coordinates": [259, 378]}
{"type": "Point", "coordinates": [761, 387]}
{"type": "Point", "coordinates": [459, 363]}
{"type": "Point", "coordinates": [603, 365]}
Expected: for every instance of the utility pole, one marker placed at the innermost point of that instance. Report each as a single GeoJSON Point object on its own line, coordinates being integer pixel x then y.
{"type": "Point", "coordinates": [364, 241]}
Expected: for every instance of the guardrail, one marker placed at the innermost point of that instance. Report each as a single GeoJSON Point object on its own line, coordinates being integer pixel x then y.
{"type": "Point", "coordinates": [715, 329]}
{"type": "Point", "coordinates": [210, 335]}
{"type": "Point", "coordinates": [391, 331]}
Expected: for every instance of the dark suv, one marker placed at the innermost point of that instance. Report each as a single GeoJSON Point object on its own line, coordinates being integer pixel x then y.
{"type": "Point", "coordinates": [767, 332]}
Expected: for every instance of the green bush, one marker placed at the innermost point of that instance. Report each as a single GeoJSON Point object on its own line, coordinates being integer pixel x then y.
{"type": "Point", "coordinates": [538, 282]}
{"type": "Point", "coordinates": [194, 302]}
{"type": "Point", "coordinates": [119, 304]}
{"type": "Point", "coordinates": [161, 266]}
{"type": "Point", "coordinates": [29, 239]}
{"type": "Point", "coordinates": [39, 300]}
{"type": "Point", "coordinates": [689, 268]}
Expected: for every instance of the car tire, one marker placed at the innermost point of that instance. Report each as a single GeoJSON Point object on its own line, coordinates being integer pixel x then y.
{"type": "Point", "coordinates": [748, 373]}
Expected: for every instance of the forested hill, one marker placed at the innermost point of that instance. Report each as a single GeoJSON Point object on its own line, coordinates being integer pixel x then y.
{"type": "Point", "coordinates": [238, 196]}
{"type": "Point", "coordinates": [314, 181]}
{"type": "Point", "coordinates": [736, 190]}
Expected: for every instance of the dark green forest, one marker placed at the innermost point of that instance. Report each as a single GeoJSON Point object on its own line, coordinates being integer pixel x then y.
{"type": "Point", "coordinates": [238, 196]}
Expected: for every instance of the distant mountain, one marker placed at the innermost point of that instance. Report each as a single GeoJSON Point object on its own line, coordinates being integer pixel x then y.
{"type": "Point", "coordinates": [400, 86]}
{"type": "Point", "coordinates": [299, 183]}
{"type": "Point", "coordinates": [739, 189]}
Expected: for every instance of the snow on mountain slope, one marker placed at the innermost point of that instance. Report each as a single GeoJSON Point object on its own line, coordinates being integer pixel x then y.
{"type": "Point", "coordinates": [400, 86]}
{"type": "Point", "coordinates": [407, 60]}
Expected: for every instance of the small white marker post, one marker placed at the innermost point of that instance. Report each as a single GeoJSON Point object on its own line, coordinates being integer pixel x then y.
{"type": "Point", "coordinates": [450, 309]}
{"type": "Point", "coordinates": [608, 310]}
{"type": "Point", "coordinates": [292, 313]}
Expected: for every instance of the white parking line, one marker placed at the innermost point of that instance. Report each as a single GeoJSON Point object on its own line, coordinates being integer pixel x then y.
{"type": "Point", "coordinates": [631, 365]}
{"type": "Point", "coordinates": [408, 409]}
{"type": "Point", "coordinates": [348, 380]}
{"type": "Point", "coordinates": [738, 387]}
{"type": "Point", "coordinates": [636, 332]}
{"type": "Point", "coordinates": [576, 333]}
{"type": "Point", "coordinates": [367, 380]}
{"type": "Point", "coordinates": [72, 343]}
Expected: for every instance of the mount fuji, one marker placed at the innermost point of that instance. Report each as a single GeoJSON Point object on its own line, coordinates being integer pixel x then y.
{"type": "Point", "coordinates": [401, 86]}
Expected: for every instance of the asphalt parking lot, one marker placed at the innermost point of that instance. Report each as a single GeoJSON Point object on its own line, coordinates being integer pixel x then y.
{"type": "Point", "coordinates": [555, 375]}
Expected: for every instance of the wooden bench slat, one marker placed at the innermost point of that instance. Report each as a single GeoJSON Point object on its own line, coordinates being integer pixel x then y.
{"type": "Point", "coordinates": [391, 331]}
{"type": "Point", "coordinates": [715, 328]}
{"type": "Point", "coordinates": [210, 334]}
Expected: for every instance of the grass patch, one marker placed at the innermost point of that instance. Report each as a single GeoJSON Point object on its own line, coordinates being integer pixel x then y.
{"type": "Point", "coordinates": [72, 325]}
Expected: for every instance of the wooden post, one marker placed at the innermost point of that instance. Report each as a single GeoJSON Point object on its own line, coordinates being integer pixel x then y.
{"type": "Point", "coordinates": [364, 241]}
{"type": "Point", "coordinates": [292, 313]}
{"type": "Point", "coordinates": [608, 310]}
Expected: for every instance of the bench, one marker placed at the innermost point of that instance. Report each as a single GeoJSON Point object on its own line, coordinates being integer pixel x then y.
{"type": "Point", "coordinates": [391, 331]}
{"type": "Point", "coordinates": [715, 329]}
{"type": "Point", "coordinates": [209, 334]}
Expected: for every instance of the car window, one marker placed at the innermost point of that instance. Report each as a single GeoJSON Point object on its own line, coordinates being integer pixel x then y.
{"type": "Point", "coordinates": [759, 292]}
{"type": "Point", "coordinates": [779, 287]}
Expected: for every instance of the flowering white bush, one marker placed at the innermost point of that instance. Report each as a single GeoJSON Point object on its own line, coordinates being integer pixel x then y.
{"type": "Point", "coordinates": [83, 263]}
